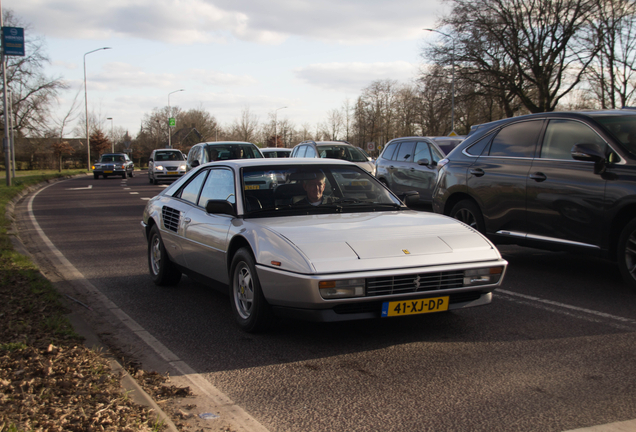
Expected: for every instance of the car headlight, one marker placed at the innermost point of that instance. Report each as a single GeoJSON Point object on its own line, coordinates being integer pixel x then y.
{"type": "Point", "coordinates": [343, 288]}
{"type": "Point", "coordinates": [482, 276]}
{"type": "Point", "coordinates": [159, 167]}
{"type": "Point", "coordinates": [182, 167]}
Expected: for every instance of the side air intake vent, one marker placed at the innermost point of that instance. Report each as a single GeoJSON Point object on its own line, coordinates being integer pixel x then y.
{"type": "Point", "coordinates": [170, 218]}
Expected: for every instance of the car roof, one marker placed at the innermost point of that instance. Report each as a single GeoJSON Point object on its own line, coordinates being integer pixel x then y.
{"type": "Point", "coordinates": [254, 162]}
{"type": "Point", "coordinates": [276, 149]}
{"type": "Point", "coordinates": [220, 143]}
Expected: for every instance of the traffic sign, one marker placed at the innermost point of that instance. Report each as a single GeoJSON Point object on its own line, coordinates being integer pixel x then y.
{"type": "Point", "coordinates": [453, 133]}
{"type": "Point", "coordinates": [371, 146]}
{"type": "Point", "coordinates": [172, 122]}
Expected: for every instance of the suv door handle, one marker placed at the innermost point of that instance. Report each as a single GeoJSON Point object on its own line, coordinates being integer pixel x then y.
{"type": "Point", "coordinates": [538, 177]}
{"type": "Point", "coordinates": [477, 172]}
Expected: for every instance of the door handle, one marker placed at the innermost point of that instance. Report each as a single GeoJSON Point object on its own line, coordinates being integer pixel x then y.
{"type": "Point", "coordinates": [538, 177]}
{"type": "Point", "coordinates": [477, 172]}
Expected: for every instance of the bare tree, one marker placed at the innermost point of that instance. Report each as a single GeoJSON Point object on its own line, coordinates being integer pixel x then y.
{"type": "Point", "coordinates": [33, 92]}
{"type": "Point", "coordinates": [245, 128]}
{"type": "Point", "coordinates": [522, 49]}
{"type": "Point", "coordinates": [613, 31]}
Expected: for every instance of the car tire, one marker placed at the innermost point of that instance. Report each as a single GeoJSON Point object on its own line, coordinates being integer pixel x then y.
{"type": "Point", "coordinates": [131, 173]}
{"type": "Point", "coordinates": [626, 253]}
{"type": "Point", "coordinates": [124, 175]}
{"type": "Point", "coordinates": [252, 312]}
{"type": "Point", "coordinates": [467, 211]}
{"type": "Point", "coordinates": [95, 176]}
{"type": "Point", "coordinates": [162, 270]}
{"type": "Point", "coordinates": [150, 180]}
{"type": "Point", "coordinates": [105, 176]}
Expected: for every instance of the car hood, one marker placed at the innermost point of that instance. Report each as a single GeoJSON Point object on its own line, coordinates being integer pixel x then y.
{"type": "Point", "coordinates": [382, 240]}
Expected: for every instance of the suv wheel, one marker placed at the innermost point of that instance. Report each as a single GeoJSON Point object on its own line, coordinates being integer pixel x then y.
{"type": "Point", "coordinates": [467, 211]}
{"type": "Point", "coordinates": [626, 253]}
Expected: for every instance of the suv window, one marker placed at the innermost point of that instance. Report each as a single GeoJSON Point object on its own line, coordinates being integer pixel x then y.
{"type": "Point", "coordinates": [405, 152]}
{"type": "Point", "coordinates": [561, 135]}
{"type": "Point", "coordinates": [422, 151]}
{"type": "Point", "coordinates": [517, 140]}
{"type": "Point", "coordinates": [301, 151]}
{"type": "Point", "coordinates": [388, 152]}
{"type": "Point", "coordinates": [311, 153]}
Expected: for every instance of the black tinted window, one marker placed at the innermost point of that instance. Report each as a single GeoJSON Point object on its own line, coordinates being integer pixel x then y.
{"type": "Point", "coordinates": [562, 135]}
{"type": "Point", "coordinates": [517, 140]}
{"type": "Point", "coordinates": [478, 148]}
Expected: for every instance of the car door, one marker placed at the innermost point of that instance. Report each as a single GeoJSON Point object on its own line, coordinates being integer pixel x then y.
{"type": "Point", "coordinates": [206, 235]}
{"type": "Point", "coordinates": [423, 176]}
{"type": "Point", "coordinates": [565, 198]}
{"type": "Point", "coordinates": [497, 178]}
{"type": "Point", "coordinates": [401, 176]}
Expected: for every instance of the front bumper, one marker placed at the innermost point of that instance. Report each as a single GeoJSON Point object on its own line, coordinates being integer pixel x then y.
{"type": "Point", "coordinates": [298, 295]}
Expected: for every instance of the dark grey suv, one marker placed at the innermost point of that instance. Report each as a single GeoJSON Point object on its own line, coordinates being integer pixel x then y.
{"type": "Point", "coordinates": [559, 181]}
{"type": "Point", "coordinates": [409, 164]}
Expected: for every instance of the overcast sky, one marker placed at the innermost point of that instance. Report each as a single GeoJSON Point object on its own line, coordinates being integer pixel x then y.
{"type": "Point", "coordinates": [227, 54]}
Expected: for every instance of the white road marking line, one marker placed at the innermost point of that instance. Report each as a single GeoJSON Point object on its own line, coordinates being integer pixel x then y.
{"type": "Point", "coordinates": [127, 188]}
{"type": "Point", "coordinates": [237, 415]}
{"type": "Point", "coordinates": [134, 193]}
{"type": "Point", "coordinates": [575, 311]}
{"type": "Point", "coordinates": [81, 188]}
{"type": "Point", "coordinates": [146, 199]}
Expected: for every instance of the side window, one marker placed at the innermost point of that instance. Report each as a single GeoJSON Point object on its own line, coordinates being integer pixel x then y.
{"type": "Point", "coordinates": [517, 140]}
{"type": "Point", "coordinates": [478, 148]}
{"type": "Point", "coordinates": [388, 152]}
{"type": "Point", "coordinates": [301, 151]}
{"type": "Point", "coordinates": [437, 155]}
{"type": "Point", "coordinates": [194, 153]}
{"type": "Point", "coordinates": [405, 152]}
{"type": "Point", "coordinates": [190, 192]}
{"type": "Point", "coordinates": [421, 151]}
{"type": "Point", "coordinates": [561, 135]}
{"type": "Point", "coordinates": [218, 186]}
{"type": "Point", "coordinates": [311, 153]}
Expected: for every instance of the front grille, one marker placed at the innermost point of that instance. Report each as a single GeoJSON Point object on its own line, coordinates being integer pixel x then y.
{"type": "Point", "coordinates": [376, 306]}
{"type": "Point", "coordinates": [170, 218]}
{"type": "Point", "coordinates": [172, 168]}
{"type": "Point", "coordinates": [422, 282]}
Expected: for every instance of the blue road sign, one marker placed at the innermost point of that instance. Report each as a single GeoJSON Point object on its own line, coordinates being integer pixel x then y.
{"type": "Point", "coordinates": [13, 41]}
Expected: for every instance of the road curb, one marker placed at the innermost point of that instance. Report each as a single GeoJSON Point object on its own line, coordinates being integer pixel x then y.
{"type": "Point", "coordinates": [91, 340]}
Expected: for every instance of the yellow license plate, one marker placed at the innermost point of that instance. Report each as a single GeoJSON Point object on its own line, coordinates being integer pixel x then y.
{"type": "Point", "coordinates": [414, 307]}
{"type": "Point", "coordinates": [108, 172]}
{"type": "Point", "coordinates": [172, 173]}
{"type": "Point", "coordinates": [252, 187]}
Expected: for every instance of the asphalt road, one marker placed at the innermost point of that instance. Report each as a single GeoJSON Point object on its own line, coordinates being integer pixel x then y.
{"type": "Point", "coordinates": [554, 351]}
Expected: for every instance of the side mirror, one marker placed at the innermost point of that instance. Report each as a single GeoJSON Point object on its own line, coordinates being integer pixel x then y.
{"type": "Point", "coordinates": [426, 162]}
{"type": "Point", "coordinates": [195, 163]}
{"type": "Point", "coordinates": [410, 197]}
{"type": "Point", "coordinates": [151, 160]}
{"type": "Point", "coordinates": [587, 152]}
{"type": "Point", "coordinates": [220, 207]}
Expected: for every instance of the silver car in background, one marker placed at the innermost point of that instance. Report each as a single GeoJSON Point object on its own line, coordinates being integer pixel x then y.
{"type": "Point", "coordinates": [356, 253]}
{"type": "Point", "coordinates": [166, 164]}
{"type": "Point", "coordinates": [334, 150]}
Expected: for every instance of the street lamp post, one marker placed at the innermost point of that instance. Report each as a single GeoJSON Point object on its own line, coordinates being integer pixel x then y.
{"type": "Point", "coordinates": [453, 74]}
{"type": "Point", "coordinates": [112, 136]}
{"type": "Point", "coordinates": [88, 139]}
{"type": "Point", "coordinates": [169, 137]}
{"type": "Point", "coordinates": [275, 122]}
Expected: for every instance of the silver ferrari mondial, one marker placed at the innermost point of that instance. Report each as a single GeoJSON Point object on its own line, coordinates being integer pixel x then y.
{"type": "Point", "coordinates": [314, 239]}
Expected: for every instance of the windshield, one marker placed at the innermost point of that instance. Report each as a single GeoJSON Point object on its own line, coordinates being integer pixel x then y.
{"type": "Point", "coordinates": [168, 156]}
{"type": "Point", "coordinates": [349, 153]}
{"type": "Point", "coordinates": [623, 128]}
{"type": "Point", "coordinates": [112, 158]}
{"type": "Point", "coordinates": [232, 151]}
{"type": "Point", "coordinates": [294, 190]}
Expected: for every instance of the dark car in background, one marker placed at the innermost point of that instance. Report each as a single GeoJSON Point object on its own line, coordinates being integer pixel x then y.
{"type": "Point", "coordinates": [334, 150]}
{"type": "Point", "coordinates": [558, 181]}
{"type": "Point", "coordinates": [409, 164]}
{"type": "Point", "coordinates": [276, 152]}
{"type": "Point", "coordinates": [220, 150]}
{"type": "Point", "coordinates": [113, 164]}
{"type": "Point", "coordinates": [447, 143]}
{"type": "Point", "coordinates": [166, 164]}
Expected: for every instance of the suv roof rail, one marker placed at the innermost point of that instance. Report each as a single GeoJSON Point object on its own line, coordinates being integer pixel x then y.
{"type": "Point", "coordinates": [307, 141]}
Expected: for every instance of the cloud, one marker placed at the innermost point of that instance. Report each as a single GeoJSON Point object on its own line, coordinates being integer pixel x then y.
{"type": "Point", "coordinates": [183, 22]}
{"type": "Point", "coordinates": [352, 77]}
